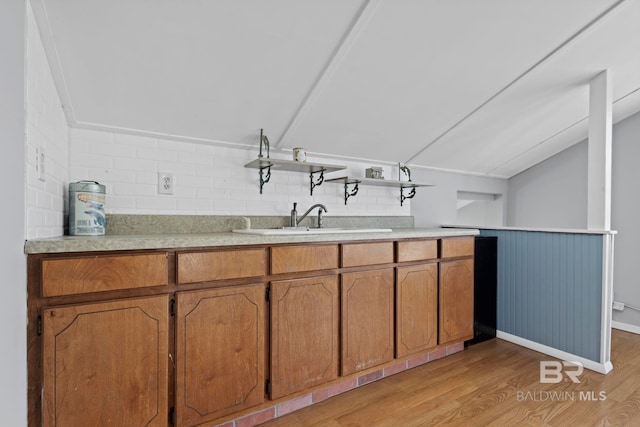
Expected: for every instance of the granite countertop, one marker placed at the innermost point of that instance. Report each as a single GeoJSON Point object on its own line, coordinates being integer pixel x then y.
{"type": "Point", "coordinates": [166, 241]}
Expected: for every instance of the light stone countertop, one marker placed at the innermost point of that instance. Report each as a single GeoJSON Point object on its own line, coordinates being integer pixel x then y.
{"type": "Point", "coordinates": [64, 244]}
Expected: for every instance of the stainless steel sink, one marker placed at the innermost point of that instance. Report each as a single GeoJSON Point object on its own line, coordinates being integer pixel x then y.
{"type": "Point", "coordinates": [288, 231]}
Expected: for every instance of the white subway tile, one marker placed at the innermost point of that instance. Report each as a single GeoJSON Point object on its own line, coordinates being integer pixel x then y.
{"type": "Point", "coordinates": [92, 160]}
{"type": "Point", "coordinates": [173, 145]}
{"type": "Point", "coordinates": [195, 205]}
{"type": "Point", "coordinates": [166, 204]}
{"type": "Point", "coordinates": [196, 158]}
{"type": "Point", "coordinates": [134, 190]}
{"type": "Point", "coordinates": [89, 137]}
{"type": "Point", "coordinates": [213, 194]}
{"type": "Point", "coordinates": [134, 164]}
{"type": "Point", "coordinates": [135, 140]}
{"type": "Point", "coordinates": [156, 154]}
{"type": "Point", "coordinates": [118, 204]}
{"type": "Point", "coordinates": [196, 182]}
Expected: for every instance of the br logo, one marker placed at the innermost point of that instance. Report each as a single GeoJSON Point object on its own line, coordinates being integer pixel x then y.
{"type": "Point", "coordinates": [553, 371]}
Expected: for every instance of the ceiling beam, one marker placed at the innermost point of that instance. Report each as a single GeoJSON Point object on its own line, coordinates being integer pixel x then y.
{"type": "Point", "coordinates": [548, 56]}
{"type": "Point", "coordinates": [344, 46]}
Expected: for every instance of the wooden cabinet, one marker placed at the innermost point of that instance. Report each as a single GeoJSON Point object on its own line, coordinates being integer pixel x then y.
{"type": "Point", "coordinates": [296, 259]}
{"type": "Point", "coordinates": [356, 254]}
{"type": "Point", "coordinates": [144, 337]}
{"type": "Point", "coordinates": [367, 319]}
{"type": "Point", "coordinates": [78, 275]}
{"type": "Point", "coordinates": [106, 363]}
{"type": "Point", "coordinates": [417, 250]}
{"type": "Point", "coordinates": [206, 266]}
{"type": "Point", "coordinates": [456, 301]}
{"type": "Point", "coordinates": [416, 308]}
{"type": "Point", "coordinates": [454, 247]}
{"type": "Point", "coordinates": [304, 333]}
{"type": "Point", "coordinates": [220, 352]}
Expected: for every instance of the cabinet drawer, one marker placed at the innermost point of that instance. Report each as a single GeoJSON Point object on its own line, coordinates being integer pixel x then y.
{"type": "Point", "coordinates": [355, 254]}
{"type": "Point", "coordinates": [417, 250]}
{"type": "Point", "coordinates": [457, 247]}
{"type": "Point", "coordinates": [289, 259]}
{"type": "Point", "coordinates": [103, 273]}
{"type": "Point", "coordinates": [220, 265]}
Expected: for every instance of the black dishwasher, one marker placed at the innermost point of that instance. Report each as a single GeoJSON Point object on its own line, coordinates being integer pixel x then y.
{"type": "Point", "coordinates": [485, 276]}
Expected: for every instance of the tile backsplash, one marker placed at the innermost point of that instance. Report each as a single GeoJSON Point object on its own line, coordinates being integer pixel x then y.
{"type": "Point", "coordinates": [208, 180]}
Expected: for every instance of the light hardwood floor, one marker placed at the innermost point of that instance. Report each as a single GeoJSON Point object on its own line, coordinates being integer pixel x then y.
{"type": "Point", "coordinates": [494, 383]}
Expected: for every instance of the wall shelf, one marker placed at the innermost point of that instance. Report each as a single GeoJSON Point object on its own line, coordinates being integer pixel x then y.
{"type": "Point", "coordinates": [355, 182]}
{"type": "Point", "coordinates": [265, 164]}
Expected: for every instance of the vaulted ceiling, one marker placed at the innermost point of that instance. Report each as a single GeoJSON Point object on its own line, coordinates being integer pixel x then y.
{"type": "Point", "coordinates": [489, 87]}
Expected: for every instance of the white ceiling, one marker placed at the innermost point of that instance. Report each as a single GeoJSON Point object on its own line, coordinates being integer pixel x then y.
{"type": "Point", "coordinates": [489, 87]}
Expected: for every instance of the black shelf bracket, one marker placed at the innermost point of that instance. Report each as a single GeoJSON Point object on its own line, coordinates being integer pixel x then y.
{"type": "Point", "coordinates": [351, 193]}
{"type": "Point", "coordinates": [313, 184]}
{"type": "Point", "coordinates": [264, 179]}
{"type": "Point", "coordinates": [408, 196]}
{"type": "Point", "coordinates": [264, 142]}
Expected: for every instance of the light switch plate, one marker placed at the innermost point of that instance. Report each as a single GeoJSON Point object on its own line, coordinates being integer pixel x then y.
{"type": "Point", "coordinates": [40, 159]}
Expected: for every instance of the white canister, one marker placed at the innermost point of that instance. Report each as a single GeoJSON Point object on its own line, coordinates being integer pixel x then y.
{"type": "Point", "coordinates": [86, 208]}
{"type": "Point", "coordinates": [300, 154]}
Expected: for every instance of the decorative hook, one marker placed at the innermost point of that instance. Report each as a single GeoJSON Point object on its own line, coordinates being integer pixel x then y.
{"type": "Point", "coordinates": [264, 141]}
{"type": "Point", "coordinates": [406, 170]}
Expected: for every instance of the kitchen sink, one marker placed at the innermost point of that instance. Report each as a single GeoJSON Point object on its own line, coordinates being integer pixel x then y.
{"type": "Point", "coordinates": [288, 231]}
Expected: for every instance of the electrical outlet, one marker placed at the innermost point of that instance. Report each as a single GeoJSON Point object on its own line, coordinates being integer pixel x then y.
{"type": "Point", "coordinates": [165, 183]}
{"type": "Point", "coordinates": [618, 305]}
{"type": "Point", "coordinates": [40, 163]}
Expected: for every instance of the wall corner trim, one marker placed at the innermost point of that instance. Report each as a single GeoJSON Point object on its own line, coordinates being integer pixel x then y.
{"type": "Point", "coordinates": [600, 367]}
{"type": "Point", "coordinates": [627, 327]}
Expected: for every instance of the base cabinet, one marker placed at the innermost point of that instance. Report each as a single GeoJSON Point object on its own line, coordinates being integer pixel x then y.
{"type": "Point", "coordinates": [304, 333]}
{"type": "Point", "coordinates": [106, 363]}
{"type": "Point", "coordinates": [220, 352]}
{"type": "Point", "coordinates": [193, 336]}
{"type": "Point", "coordinates": [367, 319]}
{"type": "Point", "coordinates": [456, 301]}
{"type": "Point", "coordinates": [416, 308]}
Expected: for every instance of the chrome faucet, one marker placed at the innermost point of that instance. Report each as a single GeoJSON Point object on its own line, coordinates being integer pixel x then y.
{"type": "Point", "coordinates": [294, 214]}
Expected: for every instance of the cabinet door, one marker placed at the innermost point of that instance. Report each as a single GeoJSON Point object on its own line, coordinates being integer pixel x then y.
{"type": "Point", "coordinates": [304, 333]}
{"type": "Point", "coordinates": [367, 319]}
{"type": "Point", "coordinates": [416, 308]}
{"type": "Point", "coordinates": [456, 301]}
{"type": "Point", "coordinates": [106, 363]}
{"type": "Point", "coordinates": [220, 352]}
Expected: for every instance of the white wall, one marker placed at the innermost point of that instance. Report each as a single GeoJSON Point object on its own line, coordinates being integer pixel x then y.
{"type": "Point", "coordinates": [13, 317]}
{"type": "Point", "coordinates": [554, 194]}
{"type": "Point", "coordinates": [625, 206]}
{"type": "Point", "coordinates": [438, 205]}
{"type": "Point", "coordinates": [489, 213]}
{"type": "Point", "coordinates": [46, 129]}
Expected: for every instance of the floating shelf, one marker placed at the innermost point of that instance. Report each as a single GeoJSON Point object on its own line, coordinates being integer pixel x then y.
{"type": "Point", "coordinates": [292, 165]}
{"type": "Point", "coordinates": [267, 163]}
{"type": "Point", "coordinates": [379, 183]}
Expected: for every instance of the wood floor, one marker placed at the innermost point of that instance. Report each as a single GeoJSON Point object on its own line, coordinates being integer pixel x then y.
{"type": "Point", "coordinates": [494, 383]}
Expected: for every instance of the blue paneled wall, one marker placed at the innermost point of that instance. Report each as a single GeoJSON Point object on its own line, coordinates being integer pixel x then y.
{"type": "Point", "coordinates": [550, 288]}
